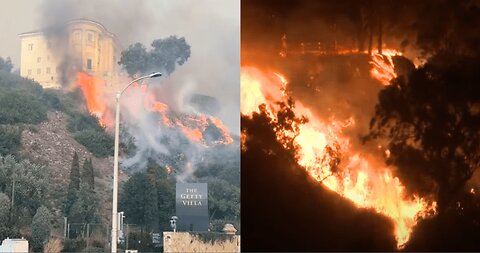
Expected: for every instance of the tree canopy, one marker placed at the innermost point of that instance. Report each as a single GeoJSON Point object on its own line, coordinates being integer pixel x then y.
{"type": "Point", "coordinates": [6, 64]}
{"type": "Point", "coordinates": [164, 56]}
{"type": "Point", "coordinates": [40, 227]}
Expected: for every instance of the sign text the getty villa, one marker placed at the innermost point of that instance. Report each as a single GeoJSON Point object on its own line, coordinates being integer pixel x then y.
{"type": "Point", "coordinates": [191, 198]}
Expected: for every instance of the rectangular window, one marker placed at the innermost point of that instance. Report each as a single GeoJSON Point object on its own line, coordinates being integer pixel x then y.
{"type": "Point", "coordinates": [48, 70]}
{"type": "Point", "coordinates": [39, 71]}
{"type": "Point", "coordinates": [76, 36]}
{"type": "Point", "coordinates": [39, 59]}
{"type": "Point", "coordinates": [29, 72]}
{"type": "Point", "coordinates": [89, 64]}
{"type": "Point", "coordinates": [30, 47]}
{"type": "Point", "coordinates": [90, 37]}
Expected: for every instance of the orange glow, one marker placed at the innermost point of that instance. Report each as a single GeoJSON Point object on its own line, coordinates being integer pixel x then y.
{"type": "Point", "coordinates": [192, 126]}
{"type": "Point", "coordinates": [382, 66]}
{"type": "Point", "coordinates": [92, 89]}
{"type": "Point", "coordinates": [219, 124]}
{"type": "Point", "coordinates": [328, 156]}
{"type": "Point", "coordinates": [193, 134]}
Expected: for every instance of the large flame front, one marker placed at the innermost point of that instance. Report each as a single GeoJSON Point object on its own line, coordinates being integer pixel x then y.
{"type": "Point", "coordinates": [192, 125]}
{"type": "Point", "coordinates": [359, 177]}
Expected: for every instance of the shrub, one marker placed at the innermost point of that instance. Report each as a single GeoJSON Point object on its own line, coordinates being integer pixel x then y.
{"type": "Point", "coordinates": [80, 122]}
{"type": "Point", "coordinates": [51, 99]}
{"type": "Point", "coordinates": [11, 82]}
{"type": "Point", "coordinates": [74, 245]}
{"type": "Point", "coordinates": [97, 142]}
{"type": "Point", "coordinates": [10, 139]}
{"type": "Point", "coordinates": [16, 107]}
{"type": "Point", "coordinates": [54, 245]}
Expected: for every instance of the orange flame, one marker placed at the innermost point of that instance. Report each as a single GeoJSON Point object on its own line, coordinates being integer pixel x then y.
{"type": "Point", "coordinates": [92, 89]}
{"type": "Point", "coordinates": [225, 132]}
{"type": "Point", "coordinates": [192, 126]}
{"type": "Point", "coordinates": [382, 66]}
{"type": "Point", "coordinates": [322, 145]}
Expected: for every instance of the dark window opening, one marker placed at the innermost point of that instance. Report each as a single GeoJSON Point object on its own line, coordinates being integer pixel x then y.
{"type": "Point", "coordinates": [89, 64]}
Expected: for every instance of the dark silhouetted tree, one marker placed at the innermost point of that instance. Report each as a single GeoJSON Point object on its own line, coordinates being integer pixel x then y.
{"type": "Point", "coordinates": [431, 120]}
{"type": "Point", "coordinates": [87, 174]}
{"type": "Point", "coordinates": [73, 186]}
{"type": "Point", "coordinates": [139, 201]}
{"type": "Point", "coordinates": [164, 185]}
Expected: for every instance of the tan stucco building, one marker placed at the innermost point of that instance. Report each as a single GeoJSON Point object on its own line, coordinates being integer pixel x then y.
{"type": "Point", "coordinates": [87, 43]}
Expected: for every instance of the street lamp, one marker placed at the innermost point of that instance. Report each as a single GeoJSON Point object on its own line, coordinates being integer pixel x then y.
{"type": "Point", "coordinates": [115, 160]}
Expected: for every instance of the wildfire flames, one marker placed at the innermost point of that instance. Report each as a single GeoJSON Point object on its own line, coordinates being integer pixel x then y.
{"type": "Point", "coordinates": [382, 66]}
{"type": "Point", "coordinates": [193, 126]}
{"type": "Point", "coordinates": [92, 89]}
{"type": "Point", "coordinates": [328, 156]}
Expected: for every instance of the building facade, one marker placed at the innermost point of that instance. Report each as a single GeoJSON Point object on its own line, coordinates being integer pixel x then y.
{"type": "Point", "coordinates": [88, 46]}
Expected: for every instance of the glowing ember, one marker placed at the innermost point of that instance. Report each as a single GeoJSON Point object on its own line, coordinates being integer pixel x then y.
{"type": "Point", "coordinates": [359, 177]}
{"type": "Point", "coordinates": [382, 66]}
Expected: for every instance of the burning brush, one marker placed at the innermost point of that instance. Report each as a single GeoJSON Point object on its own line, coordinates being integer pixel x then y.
{"type": "Point", "coordinates": [326, 151]}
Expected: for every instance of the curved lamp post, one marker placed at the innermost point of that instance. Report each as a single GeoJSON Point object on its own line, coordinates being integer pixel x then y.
{"type": "Point", "coordinates": [115, 160]}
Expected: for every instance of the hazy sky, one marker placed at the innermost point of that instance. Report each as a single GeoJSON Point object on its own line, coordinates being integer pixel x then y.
{"type": "Point", "coordinates": [211, 27]}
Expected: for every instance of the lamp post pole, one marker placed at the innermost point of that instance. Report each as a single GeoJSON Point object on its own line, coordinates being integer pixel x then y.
{"type": "Point", "coordinates": [115, 161]}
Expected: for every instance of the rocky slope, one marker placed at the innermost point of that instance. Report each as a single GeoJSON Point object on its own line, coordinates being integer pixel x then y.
{"type": "Point", "coordinates": [50, 143]}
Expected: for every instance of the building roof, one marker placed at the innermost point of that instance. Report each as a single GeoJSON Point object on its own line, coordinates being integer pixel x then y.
{"type": "Point", "coordinates": [74, 21]}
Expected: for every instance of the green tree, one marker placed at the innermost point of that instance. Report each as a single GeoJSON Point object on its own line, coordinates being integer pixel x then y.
{"type": "Point", "coordinates": [165, 55]}
{"type": "Point", "coordinates": [73, 186]}
{"type": "Point", "coordinates": [224, 199]}
{"type": "Point", "coordinates": [135, 59]}
{"type": "Point", "coordinates": [10, 139]}
{"type": "Point", "coordinates": [97, 142]}
{"type": "Point", "coordinates": [139, 201]}
{"type": "Point", "coordinates": [85, 208]}
{"type": "Point", "coordinates": [87, 173]}
{"type": "Point", "coordinates": [31, 181]}
{"type": "Point", "coordinates": [5, 224]}
{"type": "Point", "coordinates": [5, 205]}
{"type": "Point", "coordinates": [18, 107]}
{"type": "Point", "coordinates": [6, 64]}
{"type": "Point", "coordinates": [165, 191]}
{"type": "Point", "coordinates": [40, 227]}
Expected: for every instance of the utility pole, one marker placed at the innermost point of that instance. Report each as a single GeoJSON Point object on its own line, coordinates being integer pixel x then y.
{"type": "Point", "coordinates": [64, 227]}
{"type": "Point", "coordinates": [13, 198]}
{"type": "Point", "coordinates": [88, 234]}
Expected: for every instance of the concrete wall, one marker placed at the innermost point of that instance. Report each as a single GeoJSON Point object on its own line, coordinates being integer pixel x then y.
{"type": "Point", "coordinates": [193, 242]}
{"type": "Point", "coordinates": [14, 246]}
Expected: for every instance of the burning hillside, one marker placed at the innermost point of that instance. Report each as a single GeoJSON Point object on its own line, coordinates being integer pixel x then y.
{"type": "Point", "coordinates": [326, 152]}
{"type": "Point", "coordinates": [158, 132]}
{"type": "Point", "coordinates": [366, 97]}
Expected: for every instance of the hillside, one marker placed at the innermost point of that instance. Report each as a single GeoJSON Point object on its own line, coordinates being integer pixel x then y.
{"type": "Point", "coordinates": [50, 143]}
{"type": "Point", "coordinates": [42, 129]}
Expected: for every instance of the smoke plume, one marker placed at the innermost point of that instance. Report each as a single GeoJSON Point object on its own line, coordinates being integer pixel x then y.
{"type": "Point", "coordinates": [194, 94]}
